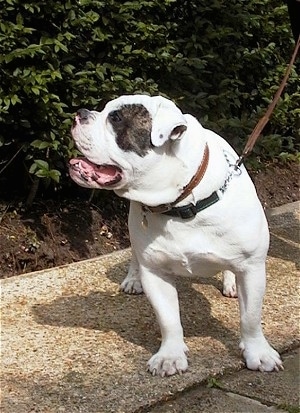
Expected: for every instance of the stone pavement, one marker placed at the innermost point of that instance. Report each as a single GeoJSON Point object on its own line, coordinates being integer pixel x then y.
{"type": "Point", "coordinates": [71, 342]}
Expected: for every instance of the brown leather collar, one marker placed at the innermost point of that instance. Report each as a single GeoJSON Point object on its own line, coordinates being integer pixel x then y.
{"type": "Point", "coordinates": [160, 209]}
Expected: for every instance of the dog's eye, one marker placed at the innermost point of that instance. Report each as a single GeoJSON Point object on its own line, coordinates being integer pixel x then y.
{"type": "Point", "coordinates": [115, 116]}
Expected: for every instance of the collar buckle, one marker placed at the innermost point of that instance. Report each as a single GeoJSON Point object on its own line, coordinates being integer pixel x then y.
{"type": "Point", "coordinates": [159, 209]}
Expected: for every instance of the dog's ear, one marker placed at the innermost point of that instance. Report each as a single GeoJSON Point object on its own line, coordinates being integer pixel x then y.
{"type": "Point", "coordinates": [168, 122]}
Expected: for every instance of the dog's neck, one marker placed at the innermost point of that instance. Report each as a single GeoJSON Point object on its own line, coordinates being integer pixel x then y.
{"type": "Point", "coordinates": [174, 169]}
{"type": "Point", "coordinates": [162, 183]}
{"type": "Point", "coordinates": [187, 190]}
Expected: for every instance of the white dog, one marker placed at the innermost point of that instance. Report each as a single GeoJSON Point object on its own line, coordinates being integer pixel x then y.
{"type": "Point", "coordinates": [192, 212]}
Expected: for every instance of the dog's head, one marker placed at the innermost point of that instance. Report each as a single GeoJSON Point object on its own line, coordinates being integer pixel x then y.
{"type": "Point", "coordinates": [125, 138]}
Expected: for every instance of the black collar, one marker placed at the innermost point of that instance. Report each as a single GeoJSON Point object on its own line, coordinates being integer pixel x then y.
{"type": "Point", "coordinates": [187, 211]}
{"type": "Point", "coordinates": [191, 210]}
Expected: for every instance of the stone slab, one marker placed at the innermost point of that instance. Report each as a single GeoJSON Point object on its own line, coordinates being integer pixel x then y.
{"type": "Point", "coordinates": [71, 342]}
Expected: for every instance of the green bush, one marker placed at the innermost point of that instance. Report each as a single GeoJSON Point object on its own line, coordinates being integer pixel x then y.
{"type": "Point", "coordinates": [220, 60]}
{"type": "Point", "coordinates": [229, 69]}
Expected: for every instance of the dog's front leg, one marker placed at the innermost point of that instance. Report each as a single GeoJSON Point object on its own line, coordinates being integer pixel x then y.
{"type": "Point", "coordinates": [162, 294]}
{"type": "Point", "coordinates": [258, 354]}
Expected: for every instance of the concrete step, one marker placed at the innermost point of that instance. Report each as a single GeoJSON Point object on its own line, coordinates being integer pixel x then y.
{"type": "Point", "coordinates": [72, 342]}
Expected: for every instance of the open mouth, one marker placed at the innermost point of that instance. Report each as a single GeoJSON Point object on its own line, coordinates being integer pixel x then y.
{"type": "Point", "coordinates": [104, 175]}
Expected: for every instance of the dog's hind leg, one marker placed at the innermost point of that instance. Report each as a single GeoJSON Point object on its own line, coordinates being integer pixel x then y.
{"type": "Point", "coordinates": [229, 284]}
{"type": "Point", "coordinates": [258, 354]}
{"type": "Point", "coordinates": [132, 283]}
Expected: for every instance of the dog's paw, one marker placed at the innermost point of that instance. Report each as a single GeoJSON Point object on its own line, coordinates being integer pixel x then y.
{"type": "Point", "coordinates": [229, 285]}
{"type": "Point", "coordinates": [167, 362]}
{"type": "Point", "coordinates": [131, 285]}
{"type": "Point", "coordinates": [261, 356]}
{"type": "Point", "coordinates": [230, 291]}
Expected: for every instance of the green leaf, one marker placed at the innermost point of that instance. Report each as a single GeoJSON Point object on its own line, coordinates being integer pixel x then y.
{"type": "Point", "coordinates": [33, 168]}
{"type": "Point", "coordinates": [42, 173]}
{"type": "Point", "coordinates": [55, 175]}
{"type": "Point", "coordinates": [40, 144]}
{"type": "Point", "coordinates": [35, 90]}
{"type": "Point", "coordinates": [42, 164]}
{"type": "Point", "coordinates": [15, 99]}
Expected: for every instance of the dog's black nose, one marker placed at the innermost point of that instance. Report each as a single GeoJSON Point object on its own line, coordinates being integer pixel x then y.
{"type": "Point", "coordinates": [83, 114]}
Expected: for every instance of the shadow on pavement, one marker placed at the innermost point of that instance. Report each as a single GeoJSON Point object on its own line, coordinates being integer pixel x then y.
{"type": "Point", "coordinates": [132, 317]}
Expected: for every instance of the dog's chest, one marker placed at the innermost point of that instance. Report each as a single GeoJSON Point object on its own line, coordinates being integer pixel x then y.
{"type": "Point", "coordinates": [190, 252]}
{"type": "Point", "coordinates": [175, 259]}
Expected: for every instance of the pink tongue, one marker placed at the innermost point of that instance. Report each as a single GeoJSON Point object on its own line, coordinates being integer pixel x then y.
{"type": "Point", "coordinates": [107, 170]}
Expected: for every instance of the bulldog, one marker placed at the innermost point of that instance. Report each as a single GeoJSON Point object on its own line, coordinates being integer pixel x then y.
{"type": "Point", "coordinates": [193, 211]}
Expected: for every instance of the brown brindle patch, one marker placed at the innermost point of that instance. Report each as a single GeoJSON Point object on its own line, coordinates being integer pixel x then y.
{"type": "Point", "coordinates": [132, 125]}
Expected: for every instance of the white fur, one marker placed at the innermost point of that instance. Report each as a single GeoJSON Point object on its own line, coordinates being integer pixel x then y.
{"type": "Point", "coordinates": [230, 236]}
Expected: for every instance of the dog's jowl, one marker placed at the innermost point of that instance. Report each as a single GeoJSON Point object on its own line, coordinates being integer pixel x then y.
{"type": "Point", "coordinates": [191, 213]}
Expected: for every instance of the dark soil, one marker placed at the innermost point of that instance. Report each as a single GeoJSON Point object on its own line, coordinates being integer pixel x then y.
{"type": "Point", "coordinates": [53, 233]}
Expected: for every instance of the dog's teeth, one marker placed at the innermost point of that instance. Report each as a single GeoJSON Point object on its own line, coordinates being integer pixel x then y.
{"type": "Point", "coordinates": [84, 177]}
{"type": "Point", "coordinates": [77, 165]}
